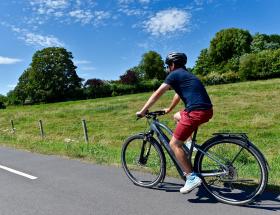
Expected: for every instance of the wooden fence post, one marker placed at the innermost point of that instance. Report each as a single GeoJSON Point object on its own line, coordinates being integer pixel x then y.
{"type": "Point", "coordinates": [13, 127]}
{"type": "Point", "coordinates": [41, 129]}
{"type": "Point", "coordinates": [85, 130]}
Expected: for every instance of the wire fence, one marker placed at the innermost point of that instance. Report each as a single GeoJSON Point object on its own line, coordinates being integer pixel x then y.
{"type": "Point", "coordinates": [41, 132]}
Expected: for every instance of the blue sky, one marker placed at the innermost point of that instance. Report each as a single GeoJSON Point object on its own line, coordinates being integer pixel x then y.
{"type": "Point", "coordinates": [107, 37]}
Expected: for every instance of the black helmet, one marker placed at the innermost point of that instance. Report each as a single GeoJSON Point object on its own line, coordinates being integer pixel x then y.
{"type": "Point", "coordinates": [176, 58]}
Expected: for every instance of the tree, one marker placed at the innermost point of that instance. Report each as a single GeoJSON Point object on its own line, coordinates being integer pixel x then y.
{"type": "Point", "coordinates": [229, 43]}
{"type": "Point", "coordinates": [3, 100]}
{"type": "Point", "coordinates": [262, 42]}
{"type": "Point", "coordinates": [152, 66]}
{"type": "Point", "coordinates": [96, 88]}
{"type": "Point", "coordinates": [130, 77]}
{"type": "Point", "coordinates": [51, 77]}
{"type": "Point", "coordinates": [203, 64]}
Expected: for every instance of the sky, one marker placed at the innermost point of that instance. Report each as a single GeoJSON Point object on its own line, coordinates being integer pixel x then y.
{"type": "Point", "coordinates": [108, 37]}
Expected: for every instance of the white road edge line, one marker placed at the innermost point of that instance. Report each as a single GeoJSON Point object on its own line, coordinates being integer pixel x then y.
{"type": "Point", "coordinates": [18, 172]}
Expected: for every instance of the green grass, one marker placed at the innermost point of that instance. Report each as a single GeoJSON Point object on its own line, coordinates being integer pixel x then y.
{"type": "Point", "coordinates": [251, 107]}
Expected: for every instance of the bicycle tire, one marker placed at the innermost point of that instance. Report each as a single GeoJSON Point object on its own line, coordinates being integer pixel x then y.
{"type": "Point", "coordinates": [143, 174]}
{"type": "Point", "coordinates": [231, 188]}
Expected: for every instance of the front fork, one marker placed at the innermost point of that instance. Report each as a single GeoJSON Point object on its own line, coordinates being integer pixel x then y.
{"type": "Point", "coordinates": [145, 149]}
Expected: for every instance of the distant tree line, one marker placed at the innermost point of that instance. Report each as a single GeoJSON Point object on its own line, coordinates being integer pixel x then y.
{"type": "Point", "coordinates": [52, 77]}
{"type": "Point", "coordinates": [233, 55]}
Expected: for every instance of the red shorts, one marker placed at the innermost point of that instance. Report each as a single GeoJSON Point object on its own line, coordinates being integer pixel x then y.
{"type": "Point", "coordinates": [190, 121]}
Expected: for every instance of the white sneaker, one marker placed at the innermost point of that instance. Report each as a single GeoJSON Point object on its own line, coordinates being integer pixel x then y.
{"type": "Point", "coordinates": [192, 182]}
{"type": "Point", "coordinates": [188, 144]}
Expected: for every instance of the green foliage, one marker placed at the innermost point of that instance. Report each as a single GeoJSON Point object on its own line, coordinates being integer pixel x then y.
{"type": "Point", "coordinates": [96, 88]}
{"type": "Point", "coordinates": [262, 42]}
{"type": "Point", "coordinates": [214, 78]}
{"type": "Point", "coordinates": [144, 86]}
{"type": "Point", "coordinates": [152, 66]}
{"type": "Point", "coordinates": [203, 64]}
{"type": "Point", "coordinates": [261, 65]}
{"type": "Point", "coordinates": [229, 43]}
{"type": "Point", "coordinates": [2, 105]}
{"type": "Point", "coordinates": [51, 77]}
{"type": "Point", "coordinates": [3, 99]}
{"type": "Point", "coordinates": [12, 98]}
{"type": "Point", "coordinates": [235, 55]}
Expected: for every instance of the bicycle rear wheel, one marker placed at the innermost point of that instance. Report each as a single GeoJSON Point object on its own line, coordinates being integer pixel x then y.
{"type": "Point", "coordinates": [237, 175]}
{"type": "Point", "coordinates": [143, 161]}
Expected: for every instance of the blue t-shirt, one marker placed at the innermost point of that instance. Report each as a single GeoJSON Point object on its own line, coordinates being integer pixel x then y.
{"type": "Point", "coordinates": [190, 89]}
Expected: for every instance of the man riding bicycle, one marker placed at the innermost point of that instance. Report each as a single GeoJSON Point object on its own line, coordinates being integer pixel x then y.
{"type": "Point", "coordinates": [198, 110]}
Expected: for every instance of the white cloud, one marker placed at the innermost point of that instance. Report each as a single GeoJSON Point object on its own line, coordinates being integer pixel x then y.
{"type": "Point", "coordinates": [78, 62]}
{"type": "Point", "coordinates": [40, 40]}
{"type": "Point", "coordinates": [88, 68]}
{"type": "Point", "coordinates": [67, 11]}
{"type": "Point", "coordinates": [144, 1]}
{"type": "Point", "coordinates": [100, 15]}
{"type": "Point", "coordinates": [134, 1]}
{"type": "Point", "coordinates": [132, 12]}
{"type": "Point", "coordinates": [133, 7]}
{"type": "Point", "coordinates": [7, 60]}
{"type": "Point", "coordinates": [82, 16]}
{"type": "Point", "coordinates": [31, 38]}
{"type": "Point", "coordinates": [48, 6]}
{"type": "Point", "coordinates": [144, 45]}
{"type": "Point", "coordinates": [202, 2]}
{"type": "Point", "coordinates": [168, 21]}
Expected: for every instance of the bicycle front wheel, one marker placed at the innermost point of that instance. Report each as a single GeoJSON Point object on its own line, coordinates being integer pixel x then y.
{"type": "Point", "coordinates": [143, 161]}
{"type": "Point", "coordinates": [233, 171]}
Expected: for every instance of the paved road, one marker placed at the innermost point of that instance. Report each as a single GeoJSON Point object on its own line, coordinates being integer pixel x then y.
{"type": "Point", "coordinates": [69, 187]}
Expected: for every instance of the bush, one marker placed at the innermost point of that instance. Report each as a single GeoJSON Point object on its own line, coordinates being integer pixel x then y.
{"type": "Point", "coordinates": [144, 86]}
{"type": "Point", "coordinates": [2, 105]}
{"type": "Point", "coordinates": [216, 78]}
{"type": "Point", "coordinates": [261, 65]}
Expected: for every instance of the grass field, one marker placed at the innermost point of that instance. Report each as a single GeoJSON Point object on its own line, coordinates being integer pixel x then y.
{"type": "Point", "coordinates": [251, 107]}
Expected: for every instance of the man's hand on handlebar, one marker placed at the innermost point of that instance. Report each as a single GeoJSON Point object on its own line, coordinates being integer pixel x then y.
{"type": "Point", "coordinates": [166, 110]}
{"type": "Point", "coordinates": [141, 114]}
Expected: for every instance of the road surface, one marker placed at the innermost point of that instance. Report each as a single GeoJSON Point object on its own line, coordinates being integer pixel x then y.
{"type": "Point", "coordinates": [42, 184]}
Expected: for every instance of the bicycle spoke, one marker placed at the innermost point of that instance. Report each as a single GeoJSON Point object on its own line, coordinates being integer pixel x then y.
{"type": "Point", "coordinates": [236, 156]}
{"type": "Point", "coordinates": [142, 161]}
{"type": "Point", "coordinates": [237, 179]}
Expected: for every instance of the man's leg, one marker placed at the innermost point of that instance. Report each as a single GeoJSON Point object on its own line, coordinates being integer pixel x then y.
{"type": "Point", "coordinates": [177, 117]}
{"type": "Point", "coordinates": [192, 180]}
{"type": "Point", "coordinates": [176, 146]}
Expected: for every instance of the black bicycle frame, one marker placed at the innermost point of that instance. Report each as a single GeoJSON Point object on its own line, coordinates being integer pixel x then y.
{"type": "Point", "coordinates": [156, 127]}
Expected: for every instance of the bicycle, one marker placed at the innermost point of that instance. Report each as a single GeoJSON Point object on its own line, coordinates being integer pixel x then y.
{"type": "Point", "coordinates": [232, 169]}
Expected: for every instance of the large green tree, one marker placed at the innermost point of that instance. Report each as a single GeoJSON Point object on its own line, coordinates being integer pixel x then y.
{"type": "Point", "coordinates": [51, 77]}
{"type": "Point", "coordinates": [152, 66]}
{"type": "Point", "coordinates": [229, 43]}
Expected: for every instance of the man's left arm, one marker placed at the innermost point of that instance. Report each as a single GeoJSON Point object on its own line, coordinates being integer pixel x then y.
{"type": "Point", "coordinates": [154, 97]}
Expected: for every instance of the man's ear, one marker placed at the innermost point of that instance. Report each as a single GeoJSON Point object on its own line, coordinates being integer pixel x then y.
{"type": "Point", "coordinates": [172, 66]}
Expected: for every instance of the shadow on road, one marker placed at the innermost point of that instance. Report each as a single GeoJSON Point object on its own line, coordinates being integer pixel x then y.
{"type": "Point", "coordinates": [267, 201]}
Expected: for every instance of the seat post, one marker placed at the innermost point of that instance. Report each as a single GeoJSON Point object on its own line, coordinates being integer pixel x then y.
{"type": "Point", "coordinates": [194, 135]}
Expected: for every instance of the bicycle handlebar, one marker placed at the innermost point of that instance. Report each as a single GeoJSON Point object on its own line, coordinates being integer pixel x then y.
{"type": "Point", "coordinates": [153, 115]}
